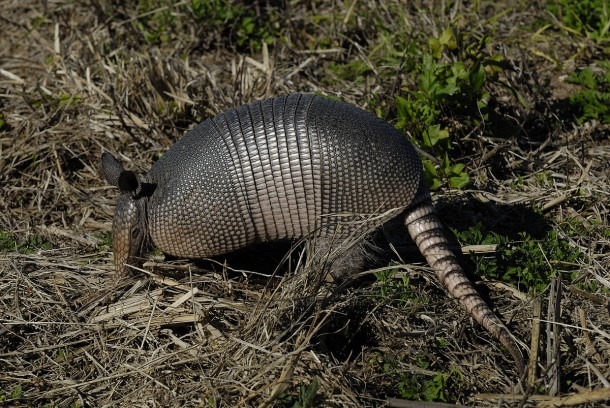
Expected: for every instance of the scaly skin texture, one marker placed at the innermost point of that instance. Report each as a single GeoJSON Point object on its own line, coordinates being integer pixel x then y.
{"type": "Point", "coordinates": [278, 169]}
{"type": "Point", "coordinates": [284, 168]}
{"type": "Point", "coordinates": [427, 232]}
{"type": "Point", "coordinates": [129, 231]}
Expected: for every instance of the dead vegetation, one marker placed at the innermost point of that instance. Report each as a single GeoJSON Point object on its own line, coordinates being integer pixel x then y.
{"type": "Point", "coordinates": [81, 77]}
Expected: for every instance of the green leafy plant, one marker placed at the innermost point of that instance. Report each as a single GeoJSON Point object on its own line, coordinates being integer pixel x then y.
{"type": "Point", "coordinates": [587, 17]}
{"type": "Point", "coordinates": [446, 88]}
{"type": "Point", "coordinates": [156, 20]}
{"type": "Point", "coordinates": [34, 243]}
{"type": "Point", "coordinates": [160, 20]}
{"type": "Point", "coordinates": [17, 393]}
{"type": "Point", "coordinates": [455, 174]}
{"type": "Point", "coordinates": [441, 387]}
{"type": "Point", "coordinates": [305, 397]}
{"type": "Point", "coordinates": [104, 239]}
{"type": "Point", "coordinates": [243, 26]}
{"type": "Point", "coordinates": [8, 242]}
{"type": "Point", "coordinates": [593, 101]}
{"type": "Point", "coordinates": [395, 290]}
{"type": "Point", "coordinates": [355, 71]}
{"type": "Point", "coordinates": [68, 100]}
{"type": "Point", "coordinates": [527, 262]}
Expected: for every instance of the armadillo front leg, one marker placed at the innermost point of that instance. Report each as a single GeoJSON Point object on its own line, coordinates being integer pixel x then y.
{"type": "Point", "coordinates": [426, 230]}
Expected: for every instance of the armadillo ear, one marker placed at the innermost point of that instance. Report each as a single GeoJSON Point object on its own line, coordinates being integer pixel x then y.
{"type": "Point", "coordinates": [129, 183]}
{"type": "Point", "coordinates": [111, 169]}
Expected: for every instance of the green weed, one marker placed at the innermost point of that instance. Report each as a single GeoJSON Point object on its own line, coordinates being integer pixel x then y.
{"type": "Point", "coordinates": [396, 290]}
{"type": "Point", "coordinates": [55, 101]}
{"type": "Point", "coordinates": [17, 393]}
{"type": "Point", "coordinates": [8, 242]}
{"type": "Point", "coordinates": [544, 178]}
{"type": "Point", "coordinates": [305, 397]}
{"type": "Point", "coordinates": [33, 243]}
{"type": "Point", "coordinates": [61, 355]}
{"type": "Point", "coordinates": [156, 20]}
{"type": "Point", "coordinates": [590, 18]}
{"type": "Point", "coordinates": [526, 263]}
{"type": "Point", "coordinates": [104, 239]}
{"type": "Point", "coordinates": [444, 90]}
{"type": "Point", "coordinates": [593, 101]}
{"type": "Point", "coordinates": [442, 387]}
{"type": "Point", "coordinates": [211, 402]}
{"type": "Point", "coordinates": [355, 71]}
{"type": "Point", "coordinates": [245, 28]}
{"type": "Point", "coordinates": [159, 21]}
{"type": "Point", "coordinates": [67, 100]}
{"type": "Point", "coordinates": [38, 21]}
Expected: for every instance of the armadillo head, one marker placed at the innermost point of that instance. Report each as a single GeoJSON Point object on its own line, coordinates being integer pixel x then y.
{"type": "Point", "coordinates": [129, 229]}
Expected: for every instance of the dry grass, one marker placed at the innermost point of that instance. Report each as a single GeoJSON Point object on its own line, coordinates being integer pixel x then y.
{"type": "Point", "coordinates": [78, 78]}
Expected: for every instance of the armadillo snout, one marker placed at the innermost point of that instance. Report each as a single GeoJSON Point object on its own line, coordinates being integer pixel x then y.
{"type": "Point", "coordinates": [128, 232]}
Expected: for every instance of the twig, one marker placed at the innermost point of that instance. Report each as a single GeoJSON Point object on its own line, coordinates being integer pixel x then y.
{"type": "Point", "coordinates": [599, 395]}
{"type": "Point", "coordinates": [555, 202]}
{"type": "Point", "coordinates": [535, 342]}
{"type": "Point", "coordinates": [401, 403]}
{"type": "Point", "coordinates": [553, 337]}
{"type": "Point", "coordinates": [587, 337]}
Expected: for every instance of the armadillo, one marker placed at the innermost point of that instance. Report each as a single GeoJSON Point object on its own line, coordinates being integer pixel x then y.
{"type": "Point", "coordinates": [284, 168]}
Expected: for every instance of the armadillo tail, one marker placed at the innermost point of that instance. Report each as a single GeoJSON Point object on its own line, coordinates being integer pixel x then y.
{"type": "Point", "coordinates": [426, 230]}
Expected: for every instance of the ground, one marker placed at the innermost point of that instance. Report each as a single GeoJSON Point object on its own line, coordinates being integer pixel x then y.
{"type": "Point", "coordinates": [508, 103]}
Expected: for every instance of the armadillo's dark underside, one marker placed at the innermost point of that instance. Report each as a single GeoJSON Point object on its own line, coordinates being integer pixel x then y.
{"type": "Point", "coordinates": [275, 169]}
